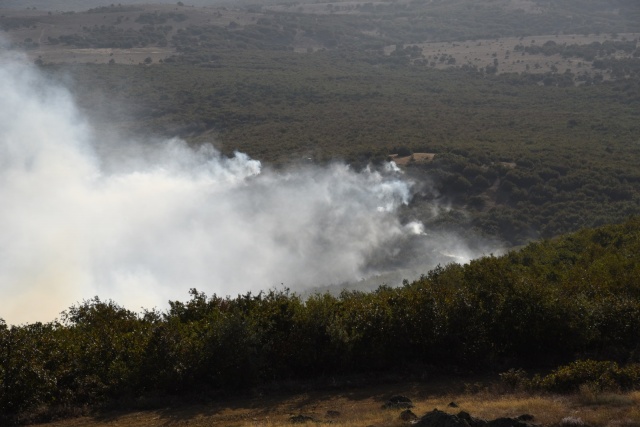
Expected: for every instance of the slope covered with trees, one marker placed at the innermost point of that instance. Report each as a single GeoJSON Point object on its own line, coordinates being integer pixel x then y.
{"type": "Point", "coordinates": [518, 155]}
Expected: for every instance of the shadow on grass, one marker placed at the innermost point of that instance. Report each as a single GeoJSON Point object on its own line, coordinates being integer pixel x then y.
{"type": "Point", "coordinates": [283, 398]}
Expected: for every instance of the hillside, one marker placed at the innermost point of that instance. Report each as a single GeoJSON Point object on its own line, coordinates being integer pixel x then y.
{"type": "Point", "coordinates": [511, 124]}
{"type": "Point", "coordinates": [551, 90]}
{"type": "Point", "coordinates": [551, 303]}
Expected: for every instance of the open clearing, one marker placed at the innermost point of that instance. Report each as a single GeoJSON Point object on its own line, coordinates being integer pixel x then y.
{"type": "Point", "coordinates": [415, 157]}
{"type": "Point", "coordinates": [501, 52]}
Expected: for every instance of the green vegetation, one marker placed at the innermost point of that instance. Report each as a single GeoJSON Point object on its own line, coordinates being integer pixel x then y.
{"type": "Point", "coordinates": [517, 157]}
{"type": "Point", "coordinates": [573, 165]}
{"type": "Point", "coordinates": [596, 376]}
{"type": "Point", "coordinates": [548, 304]}
{"type": "Point", "coordinates": [103, 37]}
{"type": "Point", "coordinates": [599, 375]}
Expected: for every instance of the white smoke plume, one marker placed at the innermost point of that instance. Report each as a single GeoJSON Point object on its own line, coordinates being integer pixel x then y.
{"type": "Point", "coordinates": [142, 223]}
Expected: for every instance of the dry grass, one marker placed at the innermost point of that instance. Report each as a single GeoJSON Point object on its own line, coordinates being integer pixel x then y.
{"type": "Point", "coordinates": [546, 409]}
{"type": "Point", "coordinates": [360, 407]}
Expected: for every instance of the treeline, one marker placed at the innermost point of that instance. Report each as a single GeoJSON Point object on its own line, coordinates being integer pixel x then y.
{"type": "Point", "coordinates": [159, 18]}
{"type": "Point", "coordinates": [369, 27]}
{"type": "Point", "coordinates": [553, 302]}
{"type": "Point", "coordinates": [258, 36]}
{"type": "Point", "coordinates": [113, 37]}
{"type": "Point", "coordinates": [470, 20]}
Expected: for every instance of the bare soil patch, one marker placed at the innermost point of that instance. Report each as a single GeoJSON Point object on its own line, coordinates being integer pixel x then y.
{"type": "Point", "coordinates": [501, 53]}
{"type": "Point", "coordinates": [414, 158]}
{"type": "Point", "coordinates": [136, 55]}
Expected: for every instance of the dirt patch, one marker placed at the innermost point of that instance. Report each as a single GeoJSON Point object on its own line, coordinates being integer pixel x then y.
{"type": "Point", "coordinates": [414, 158]}
{"type": "Point", "coordinates": [502, 53]}
{"type": "Point", "coordinates": [138, 55]}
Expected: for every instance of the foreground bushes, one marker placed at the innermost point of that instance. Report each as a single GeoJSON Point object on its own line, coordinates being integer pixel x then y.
{"type": "Point", "coordinates": [599, 375]}
{"type": "Point", "coordinates": [596, 376]}
{"type": "Point", "coordinates": [549, 304]}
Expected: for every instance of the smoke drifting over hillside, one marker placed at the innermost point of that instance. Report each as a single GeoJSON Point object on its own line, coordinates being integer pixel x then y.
{"type": "Point", "coordinates": [141, 223]}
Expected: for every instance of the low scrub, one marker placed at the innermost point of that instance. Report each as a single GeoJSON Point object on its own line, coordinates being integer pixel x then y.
{"type": "Point", "coordinates": [586, 377]}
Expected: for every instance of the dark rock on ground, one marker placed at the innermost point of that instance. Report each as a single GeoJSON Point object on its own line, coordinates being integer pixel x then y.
{"type": "Point", "coordinates": [472, 421]}
{"type": "Point", "coordinates": [509, 422]}
{"type": "Point", "coordinates": [452, 405]}
{"type": "Point", "coordinates": [301, 419]}
{"type": "Point", "coordinates": [407, 415]}
{"type": "Point", "coordinates": [437, 418]}
{"type": "Point", "coordinates": [398, 402]}
{"type": "Point", "coordinates": [333, 414]}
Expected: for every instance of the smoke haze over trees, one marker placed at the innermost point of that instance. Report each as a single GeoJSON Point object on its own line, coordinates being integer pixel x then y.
{"type": "Point", "coordinates": [137, 221]}
{"type": "Point", "coordinates": [243, 153]}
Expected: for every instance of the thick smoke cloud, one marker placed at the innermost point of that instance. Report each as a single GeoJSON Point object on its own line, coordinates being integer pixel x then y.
{"type": "Point", "coordinates": [141, 223]}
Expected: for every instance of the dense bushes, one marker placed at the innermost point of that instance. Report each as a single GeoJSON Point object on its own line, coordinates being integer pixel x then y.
{"type": "Point", "coordinates": [548, 304]}
{"type": "Point", "coordinates": [601, 375]}
{"type": "Point", "coordinates": [527, 199]}
{"type": "Point", "coordinates": [558, 167]}
{"type": "Point", "coordinates": [113, 37]}
{"type": "Point", "coordinates": [593, 375]}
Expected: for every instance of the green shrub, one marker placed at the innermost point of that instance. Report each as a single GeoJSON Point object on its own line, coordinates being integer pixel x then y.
{"type": "Point", "coordinates": [600, 375]}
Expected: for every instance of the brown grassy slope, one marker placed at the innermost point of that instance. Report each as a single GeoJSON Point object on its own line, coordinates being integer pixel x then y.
{"type": "Point", "coordinates": [362, 406]}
